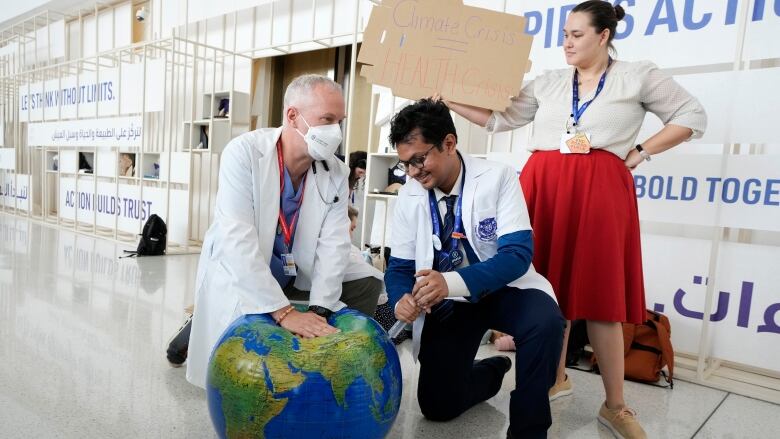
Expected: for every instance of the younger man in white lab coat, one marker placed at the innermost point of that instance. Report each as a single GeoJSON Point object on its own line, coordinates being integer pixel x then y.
{"type": "Point", "coordinates": [460, 264]}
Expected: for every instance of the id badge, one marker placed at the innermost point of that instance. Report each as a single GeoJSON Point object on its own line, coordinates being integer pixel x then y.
{"type": "Point", "coordinates": [576, 143]}
{"type": "Point", "coordinates": [288, 263]}
{"type": "Point", "coordinates": [456, 257]}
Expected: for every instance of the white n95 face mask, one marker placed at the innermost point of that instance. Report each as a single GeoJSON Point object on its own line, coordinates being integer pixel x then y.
{"type": "Point", "coordinates": [322, 140]}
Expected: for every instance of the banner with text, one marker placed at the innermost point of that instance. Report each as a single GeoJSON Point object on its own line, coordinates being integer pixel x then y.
{"type": "Point", "coordinates": [106, 132]}
{"type": "Point", "coordinates": [125, 206]}
{"type": "Point", "coordinates": [15, 190]}
{"type": "Point", "coordinates": [92, 95]}
{"type": "Point", "coordinates": [690, 189]}
{"type": "Point", "coordinates": [701, 32]}
{"type": "Point", "coordinates": [745, 312]}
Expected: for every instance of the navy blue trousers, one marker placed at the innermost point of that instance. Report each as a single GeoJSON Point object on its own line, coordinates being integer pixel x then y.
{"type": "Point", "coordinates": [450, 382]}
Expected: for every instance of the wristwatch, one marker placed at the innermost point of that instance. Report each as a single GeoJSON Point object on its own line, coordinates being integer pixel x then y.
{"type": "Point", "coordinates": [321, 311]}
{"type": "Point", "coordinates": [645, 155]}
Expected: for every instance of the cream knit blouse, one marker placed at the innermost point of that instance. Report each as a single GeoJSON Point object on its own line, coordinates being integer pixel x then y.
{"type": "Point", "coordinates": [613, 119]}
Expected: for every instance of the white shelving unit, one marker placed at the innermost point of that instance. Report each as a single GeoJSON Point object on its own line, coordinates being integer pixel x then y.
{"type": "Point", "coordinates": [212, 131]}
{"type": "Point", "coordinates": [237, 106]}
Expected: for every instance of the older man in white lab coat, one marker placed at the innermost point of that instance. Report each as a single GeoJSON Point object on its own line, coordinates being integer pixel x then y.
{"type": "Point", "coordinates": [281, 229]}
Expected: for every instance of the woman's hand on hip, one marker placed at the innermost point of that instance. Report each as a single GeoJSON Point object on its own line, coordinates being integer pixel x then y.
{"type": "Point", "coordinates": [633, 160]}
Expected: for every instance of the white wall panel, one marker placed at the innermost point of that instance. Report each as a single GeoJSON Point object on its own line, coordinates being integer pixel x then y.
{"type": "Point", "coordinates": [244, 31]}
{"type": "Point", "coordinates": [47, 42]}
{"type": "Point", "coordinates": [203, 9]}
{"type": "Point", "coordinates": [74, 42]}
{"type": "Point", "coordinates": [741, 105]}
{"type": "Point", "coordinates": [761, 35]}
{"type": "Point", "coordinates": [344, 20]}
{"type": "Point", "coordinates": [302, 20]}
{"type": "Point", "coordinates": [123, 25]}
{"type": "Point", "coordinates": [89, 36]}
{"type": "Point", "coordinates": [8, 158]}
{"type": "Point", "coordinates": [106, 30]}
{"type": "Point", "coordinates": [281, 23]}
{"type": "Point", "coordinates": [263, 27]}
{"type": "Point", "coordinates": [324, 18]}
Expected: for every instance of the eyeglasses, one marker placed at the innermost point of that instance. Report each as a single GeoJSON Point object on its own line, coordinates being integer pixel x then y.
{"type": "Point", "coordinates": [417, 161]}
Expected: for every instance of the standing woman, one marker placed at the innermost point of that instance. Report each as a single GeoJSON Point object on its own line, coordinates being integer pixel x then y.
{"type": "Point", "coordinates": [579, 188]}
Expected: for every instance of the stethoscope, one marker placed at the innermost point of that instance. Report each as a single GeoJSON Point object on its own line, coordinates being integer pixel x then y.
{"type": "Point", "coordinates": [330, 179]}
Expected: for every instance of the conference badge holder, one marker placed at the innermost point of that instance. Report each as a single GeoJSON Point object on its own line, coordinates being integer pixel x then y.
{"type": "Point", "coordinates": [288, 263]}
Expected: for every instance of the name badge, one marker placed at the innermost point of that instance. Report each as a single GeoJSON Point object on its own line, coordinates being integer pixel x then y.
{"type": "Point", "coordinates": [575, 143]}
{"type": "Point", "coordinates": [288, 264]}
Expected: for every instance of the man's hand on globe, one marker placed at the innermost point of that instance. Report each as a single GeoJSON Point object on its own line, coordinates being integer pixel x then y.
{"type": "Point", "coordinates": [406, 310]}
{"type": "Point", "coordinates": [307, 325]}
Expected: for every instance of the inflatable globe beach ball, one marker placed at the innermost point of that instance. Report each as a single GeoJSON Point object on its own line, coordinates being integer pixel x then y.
{"type": "Point", "coordinates": [264, 382]}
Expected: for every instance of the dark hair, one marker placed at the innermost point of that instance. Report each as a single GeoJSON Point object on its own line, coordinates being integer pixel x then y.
{"type": "Point", "coordinates": [602, 16]}
{"type": "Point", "coordinates": [431, 118]}
{"type": "Point", "coordinates": [357, 159]}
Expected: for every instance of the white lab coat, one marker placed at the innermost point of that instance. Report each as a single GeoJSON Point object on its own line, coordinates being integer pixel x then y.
{"type": "Point", "coordinates": [234, 277]}
{"type": "Point", "coordinates": [486, 183]}
{"type": "Point", "coordinates": [358, 268]}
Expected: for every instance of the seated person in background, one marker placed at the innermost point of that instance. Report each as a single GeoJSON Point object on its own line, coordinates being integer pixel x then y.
{"type": "Point", "coordinates": [268, 243]}
{"type": "Point", "coordinates": [384, 314]}
{"type": "Point", "coordinates": [126, 164]}
{"type": "Point", "coordinates": [461, 264]}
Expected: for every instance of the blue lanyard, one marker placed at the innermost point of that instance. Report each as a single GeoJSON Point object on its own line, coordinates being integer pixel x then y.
{"type": "Point", "coordinates": [457, 231]}
{"type": "Point", "coordinates": [576, 113]}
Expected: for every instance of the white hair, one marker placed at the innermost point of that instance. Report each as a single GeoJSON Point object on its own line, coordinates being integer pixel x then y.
{"type": "Point", "coordinates": [302, 86]}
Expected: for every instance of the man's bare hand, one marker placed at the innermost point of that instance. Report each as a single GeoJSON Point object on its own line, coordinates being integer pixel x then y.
{"type": "Point", "coordinates": [307, 324]}
{"type": "Point", "coordinates": [406, 310]}
{"type": "Point", "coordinates": [430, 289]}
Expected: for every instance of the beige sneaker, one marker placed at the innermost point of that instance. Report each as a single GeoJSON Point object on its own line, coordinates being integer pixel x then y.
{"type": "Point", "coordinates": [622, 422]}
{"type": "Point", "coordinates": [561, 389]}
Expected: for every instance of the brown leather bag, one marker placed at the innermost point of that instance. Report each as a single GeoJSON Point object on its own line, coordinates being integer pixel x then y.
{"type": "Point", "coordinates": [648, 348]}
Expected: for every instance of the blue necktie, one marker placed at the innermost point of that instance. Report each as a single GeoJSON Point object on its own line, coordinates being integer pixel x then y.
{"type": "Point", "coordinates": [448, 227]}
{"type": "Point", "coordinates": [444, 308]}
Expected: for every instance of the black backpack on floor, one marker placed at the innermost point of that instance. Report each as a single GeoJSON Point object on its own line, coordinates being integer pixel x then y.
{"type": "Point", "coordinates": [153, 239]}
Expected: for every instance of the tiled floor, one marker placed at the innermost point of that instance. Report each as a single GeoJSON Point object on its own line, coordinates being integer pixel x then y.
{"type": "Point", "coordinates": [82, 337]}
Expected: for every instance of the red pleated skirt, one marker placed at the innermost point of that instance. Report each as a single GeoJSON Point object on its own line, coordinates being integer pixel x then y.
{"type": "Point", "coordinates": [585, 222]}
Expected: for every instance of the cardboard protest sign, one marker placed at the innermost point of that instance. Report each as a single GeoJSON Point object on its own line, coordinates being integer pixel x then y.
{"type": "Point", "coordinates": [470, 55]}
